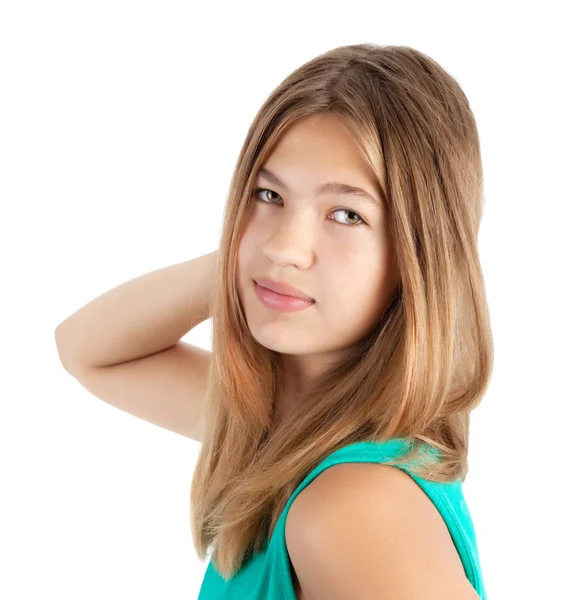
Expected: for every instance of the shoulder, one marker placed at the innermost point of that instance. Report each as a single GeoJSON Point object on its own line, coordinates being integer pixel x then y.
{"type": "Point", "coordinates": [367, 530]}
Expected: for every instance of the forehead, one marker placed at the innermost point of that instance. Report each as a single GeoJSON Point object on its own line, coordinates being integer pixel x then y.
{"type": "Point", "coordinates": [323, 139]}
{"type": "Point", "coordinates": [320, 155]}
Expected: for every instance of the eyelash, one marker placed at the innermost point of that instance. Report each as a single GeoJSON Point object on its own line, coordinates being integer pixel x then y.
{"type": "Point", "coordinates": [256, 191]}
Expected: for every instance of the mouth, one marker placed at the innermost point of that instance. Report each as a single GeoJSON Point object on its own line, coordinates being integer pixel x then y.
{"type": "Point", "coordinates": [280, 302]}
{"type": "Point", "coordinates": [282, 288]}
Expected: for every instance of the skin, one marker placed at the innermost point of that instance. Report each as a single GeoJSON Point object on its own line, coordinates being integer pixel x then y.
{"type": "Point", "coordinates": [362, 530]}
{"type": "Point", "coordinates": [291, 235]}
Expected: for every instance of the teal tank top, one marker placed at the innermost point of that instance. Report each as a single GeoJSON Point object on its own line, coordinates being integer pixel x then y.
{"type": "Point", "coordinates": [267, 574]}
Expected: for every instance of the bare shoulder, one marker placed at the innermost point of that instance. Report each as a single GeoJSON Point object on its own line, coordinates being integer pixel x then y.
{"type": "Point", "coordinates": [368, 530]}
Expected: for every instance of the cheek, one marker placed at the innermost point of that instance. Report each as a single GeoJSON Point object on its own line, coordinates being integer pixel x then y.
{"type": "Point", "coordinates": [356, 283]}
{"type": "Point", "coordinates": [250, 236]}
{"type": "Point", "coordinates": [357, 291]}
{"type": "Point", "coordinates": [246, 245]}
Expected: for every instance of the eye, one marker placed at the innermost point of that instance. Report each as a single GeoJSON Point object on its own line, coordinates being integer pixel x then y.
{"type": "Point", "coordinates": [257, 191]}
{"type": "Point", "coordinates": [360, 221]}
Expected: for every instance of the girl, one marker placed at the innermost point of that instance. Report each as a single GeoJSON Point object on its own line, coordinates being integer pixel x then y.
{"type": "Point", "coordinates": [351, 341]}
{"type": "Point", "coordinates": [360, 186]}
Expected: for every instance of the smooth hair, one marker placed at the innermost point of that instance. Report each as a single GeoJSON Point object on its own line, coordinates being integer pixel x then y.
{"type": "Point", "coordinates": [427, 363]}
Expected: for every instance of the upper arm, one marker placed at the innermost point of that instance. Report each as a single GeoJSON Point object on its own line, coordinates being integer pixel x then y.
{"type": "Point", "coordinates": [368, 531]}
{"type": "Point", "coordinates": [167, 388]}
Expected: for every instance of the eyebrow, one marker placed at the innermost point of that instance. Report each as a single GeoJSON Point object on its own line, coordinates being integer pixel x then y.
{"type": "Point", "coordinates": [329, 187]}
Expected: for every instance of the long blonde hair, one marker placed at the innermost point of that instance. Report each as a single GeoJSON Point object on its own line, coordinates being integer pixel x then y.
{"type": "Point", "coordinates": [425, 366]}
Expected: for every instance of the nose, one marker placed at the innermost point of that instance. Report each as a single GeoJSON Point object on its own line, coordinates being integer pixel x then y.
{"type": "Point", "coordinates": [291, 241]}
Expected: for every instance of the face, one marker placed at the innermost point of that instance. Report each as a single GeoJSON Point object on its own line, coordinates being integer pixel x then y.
{"type": "Point", "coordinates": [334, 248]}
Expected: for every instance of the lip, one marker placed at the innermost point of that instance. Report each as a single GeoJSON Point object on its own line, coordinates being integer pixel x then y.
{"type": "Point", "coordinates": [282, 288]}
{"type": "Point", "coordinates": [280, 302]}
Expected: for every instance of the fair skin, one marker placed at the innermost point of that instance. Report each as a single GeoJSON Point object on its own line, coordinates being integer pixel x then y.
{"type": "Point", "coordinates": [336, 249]}
{"type": "Point", "coordinates": [380, 536]}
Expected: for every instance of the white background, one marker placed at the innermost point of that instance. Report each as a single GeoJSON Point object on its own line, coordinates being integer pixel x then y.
{"type": "Point", "coordinates": [120, 123]}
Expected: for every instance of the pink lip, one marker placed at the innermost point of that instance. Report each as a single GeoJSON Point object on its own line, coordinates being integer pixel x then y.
{"type": "Point", "coordinates": [281, 288]}
{"type": "Point", "coordinates": [280, 302]}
